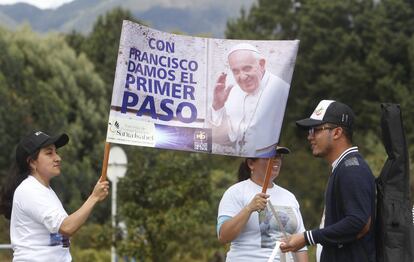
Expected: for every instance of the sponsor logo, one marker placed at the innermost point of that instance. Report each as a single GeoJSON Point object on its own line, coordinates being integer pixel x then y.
{"type": "Point", "coordinates": [200, 141]}
{"type": "Point", "coordinates": [135, 134]}
{"type": "Point", "coordinates": [113, 127]}
{"type": "Point", "coordinates": [200, 135]}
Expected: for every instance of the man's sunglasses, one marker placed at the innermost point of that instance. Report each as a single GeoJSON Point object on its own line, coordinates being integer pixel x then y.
{"type": "Point", "coordinates": [313, 130]}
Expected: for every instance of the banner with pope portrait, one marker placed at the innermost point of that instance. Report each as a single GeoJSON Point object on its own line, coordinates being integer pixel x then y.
{"type": "Point", "coordinates": [200, 94]}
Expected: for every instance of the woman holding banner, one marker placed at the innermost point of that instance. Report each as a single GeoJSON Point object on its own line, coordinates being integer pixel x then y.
{"type": "Point", "coordinates": [247, 218]}
{"type": "Point", "coordinates": [39, 226]}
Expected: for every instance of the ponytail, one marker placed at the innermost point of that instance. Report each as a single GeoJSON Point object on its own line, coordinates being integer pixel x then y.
{"type": "Point", "coordinates": [19, 171]}
{"type": "Point", "coordinates": [14, 179]}
{"type": "Point", "coordinates": [244, 170]}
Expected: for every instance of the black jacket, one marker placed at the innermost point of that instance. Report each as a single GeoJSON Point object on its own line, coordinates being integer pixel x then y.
{"type": "Point", "coordinates": [349, 205]}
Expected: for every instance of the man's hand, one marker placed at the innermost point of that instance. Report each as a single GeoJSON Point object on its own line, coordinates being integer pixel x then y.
{"type": "Point", "coordinates": [221, 93]}
{"type": "Point", "coordinates": [293, 244]}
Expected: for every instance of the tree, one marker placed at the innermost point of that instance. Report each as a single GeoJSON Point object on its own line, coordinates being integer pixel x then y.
{"type": "Point", "coordinates": [169, 200]}
{"type": "Point", "coordinates": [44, 85]}
{"type": "Point", "coordinates": [169, 206]}
{"type": "Point", "coordinates": [101, 45]}
{"type": "Point", "coordinates": [357, 52]}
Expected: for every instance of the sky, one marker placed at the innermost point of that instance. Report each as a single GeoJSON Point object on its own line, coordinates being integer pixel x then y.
{"type": "Point", "coordinates": [43, 4]}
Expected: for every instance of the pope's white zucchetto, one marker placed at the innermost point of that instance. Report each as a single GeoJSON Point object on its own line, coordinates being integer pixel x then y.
{"type": "Point", "coordinates": [243, 46]}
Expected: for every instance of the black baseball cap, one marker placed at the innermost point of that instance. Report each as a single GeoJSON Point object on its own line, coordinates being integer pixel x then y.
{"type": "Point", "coordinates": [329, 111]}
{"type": "Point", "coordinates": [34, 142]}
{"type": "Point", "coordinates": [282, 150]}
{"type": "Point", "coordinates": [274, 150]}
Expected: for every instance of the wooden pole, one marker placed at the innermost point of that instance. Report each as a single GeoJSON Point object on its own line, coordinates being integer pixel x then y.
{"type": "Point", "coordinates": [105, 161]}
{"type": "Point", "coordinates": [269, 169]}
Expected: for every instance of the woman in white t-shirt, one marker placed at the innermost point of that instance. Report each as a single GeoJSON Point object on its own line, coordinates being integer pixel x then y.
{"type": "Point", "coordinates": [40, 228]}
{"type": "Point", "coordinates": [245, 219]}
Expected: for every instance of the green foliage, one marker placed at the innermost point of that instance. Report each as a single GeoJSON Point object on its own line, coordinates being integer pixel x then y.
{"type": "Point", "coordinates": [354, 51]}
{"type": "Point", "coordinates": [90, 255]}
{"type": "Point", "coordinates": [159, 200]}
{"type": "Point", "coordinates": [44, 85]}
{"type": "Point", "coordinates": [92, 243]}
{"type": "Point", "coordinates": [267, 19]}
{"type": "Point", "coordinates": [5, 254]}
{"type": "Point", "coordinates": [101, 45]}
{"type": "Point", "coordinates": [93, 236]}
{"type": "Point", "coordinates": [357, 52]}
{"type": "Point", "coordinates": [168, 206]}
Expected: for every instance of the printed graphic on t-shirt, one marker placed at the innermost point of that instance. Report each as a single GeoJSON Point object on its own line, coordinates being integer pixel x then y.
{"type": "Point", "coordinates": [59, 240]}
{"type": "Point", "coordinates": [269, 227]}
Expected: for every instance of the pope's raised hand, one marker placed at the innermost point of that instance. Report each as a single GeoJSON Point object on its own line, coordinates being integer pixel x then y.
{"type": "Point", "coordinates": [221, 92]}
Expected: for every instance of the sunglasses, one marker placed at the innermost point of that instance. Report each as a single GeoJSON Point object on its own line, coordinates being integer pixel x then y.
{"type": "Point", "coordinates": [313, 130]}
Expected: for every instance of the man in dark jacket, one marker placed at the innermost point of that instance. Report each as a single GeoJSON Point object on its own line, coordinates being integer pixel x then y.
{"type": "Point", "coordinates": [348, 225]}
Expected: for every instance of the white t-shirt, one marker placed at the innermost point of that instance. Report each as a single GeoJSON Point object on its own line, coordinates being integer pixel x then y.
{"type": "Point", "coordinates": [36, 217]}
{"type": "Point", "coordinates": [258, 238]}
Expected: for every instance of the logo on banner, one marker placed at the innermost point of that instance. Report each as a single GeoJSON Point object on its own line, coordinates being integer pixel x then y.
{"type": "Point", "coordinates": [130, 132]}
{"type": "Point", "coordinates": [200, 141]}
{"type": "Point", "coordinates": [113, 127]}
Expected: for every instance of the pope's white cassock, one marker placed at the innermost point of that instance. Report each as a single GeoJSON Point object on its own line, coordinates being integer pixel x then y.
{"type": "Point", "coordinates": [250, 123]}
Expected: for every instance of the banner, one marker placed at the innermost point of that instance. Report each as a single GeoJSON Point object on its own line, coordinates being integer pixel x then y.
{"type": "Point", "coordinates": [200, 94]}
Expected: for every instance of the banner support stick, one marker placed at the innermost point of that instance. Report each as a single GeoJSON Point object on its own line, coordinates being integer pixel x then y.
{"type": "Point", "coordinates": [268, 174]}
{"type": "Point", "coordinates": [105, 162]}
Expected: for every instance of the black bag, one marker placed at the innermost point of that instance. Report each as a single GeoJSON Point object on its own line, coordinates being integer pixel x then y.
{"type": "Point", "coordinates": [394, 220]}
